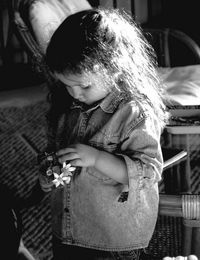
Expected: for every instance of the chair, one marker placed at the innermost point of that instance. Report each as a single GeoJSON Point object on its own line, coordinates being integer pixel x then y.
{"type": "Point", "coordinates": [168, 42]}
{"type": "Point", "coordinates": [19, 13]}
{"type": "Point", "coordinates": [184, 206]}
{"type": "Point", "coordinates": [179, 202]}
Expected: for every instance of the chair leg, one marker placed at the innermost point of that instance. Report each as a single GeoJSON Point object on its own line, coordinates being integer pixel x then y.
{"type": "Point", "coordinates": [191, 237]}
{"type": "Point", "coordinates": [186, 239]}
{"type": "Point", "coordinates": [196, 241]}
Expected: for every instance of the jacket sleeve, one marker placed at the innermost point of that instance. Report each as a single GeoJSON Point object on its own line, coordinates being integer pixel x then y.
{"type": "Point", "coordinates": [141, 149]}
{"type": "Point", "coordinates": [142, 154]}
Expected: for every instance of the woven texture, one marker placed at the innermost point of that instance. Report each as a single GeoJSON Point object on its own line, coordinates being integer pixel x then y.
{"type": "Point", "coordinates": [22, 135]}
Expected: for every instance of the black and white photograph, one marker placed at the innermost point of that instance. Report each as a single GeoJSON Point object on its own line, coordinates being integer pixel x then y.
{"type": "Point", "coordinates": [99, 130]}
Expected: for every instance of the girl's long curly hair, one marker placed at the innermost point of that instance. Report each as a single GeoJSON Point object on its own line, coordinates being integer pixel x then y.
{"type": "Point", "coordinates": [110, 42]}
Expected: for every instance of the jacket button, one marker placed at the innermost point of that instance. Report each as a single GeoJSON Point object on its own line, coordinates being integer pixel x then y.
{"type": "Point", "coordinates": [66, 210]}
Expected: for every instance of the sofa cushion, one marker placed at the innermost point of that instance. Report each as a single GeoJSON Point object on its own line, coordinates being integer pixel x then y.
{"type": "Point", "coordinates": [47, 15]}
{"type": "Point", "coordinates": [182, 84]}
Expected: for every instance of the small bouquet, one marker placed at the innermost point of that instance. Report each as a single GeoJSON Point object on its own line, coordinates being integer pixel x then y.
{"type": "Point", "coordinates": [55, 172]}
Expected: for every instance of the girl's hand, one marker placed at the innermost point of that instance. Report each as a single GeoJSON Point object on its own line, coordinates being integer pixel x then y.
{"type": "Point", "coordinates": [78, 155]}
{"type": "Point", "coordinates": [45, 184]}
{"type": "Point", "coordinates": [45, 181]}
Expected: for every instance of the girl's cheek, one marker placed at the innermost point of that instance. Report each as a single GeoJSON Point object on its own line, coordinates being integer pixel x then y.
{"type": "Point", "coordinates": [70, 92]}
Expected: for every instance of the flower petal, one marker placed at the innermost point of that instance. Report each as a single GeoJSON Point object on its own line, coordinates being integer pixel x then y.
{"type": "Point", "coordinates": [71, 169]}
{"type": "Point", "coordinates": [67, 180]}
{"type": "Point", "coordinates": [56, 175]}
{"type": "Point", "coordinates": [62, 182]}
{"type": "Point", "coordinates": [64, 164]}
{"type": "Point", "coordinates": [56, 182]}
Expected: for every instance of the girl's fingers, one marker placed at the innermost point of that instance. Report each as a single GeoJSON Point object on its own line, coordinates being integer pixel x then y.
{"type": "Point", "coordinates": [76, 162]}
{"type": "Point", "coordinates": [68, 157]}
{"type": "Point", "coordinates": [65, 151]}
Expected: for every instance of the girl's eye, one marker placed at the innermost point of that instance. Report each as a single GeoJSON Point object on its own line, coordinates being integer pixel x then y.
{"type": "Point", "coordinates": [86, 87]}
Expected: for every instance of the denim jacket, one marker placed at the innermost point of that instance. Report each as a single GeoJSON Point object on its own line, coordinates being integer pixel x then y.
{"type": "Point", "coordinates": [95, 211]}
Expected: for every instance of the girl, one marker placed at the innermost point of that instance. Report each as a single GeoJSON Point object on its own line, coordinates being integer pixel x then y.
{"type": "Point", "coordinates": [105, 205]}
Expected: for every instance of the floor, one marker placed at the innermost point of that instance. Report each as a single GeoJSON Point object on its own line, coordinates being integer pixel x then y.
{"type": "Point", "coordinates": [22, 135]}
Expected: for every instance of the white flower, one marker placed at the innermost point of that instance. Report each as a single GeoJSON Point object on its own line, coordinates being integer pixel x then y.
{"type": "Point", "coordinates": [67, 169]}
{"type": "Point", "coordinates": [60, 179]}
{"type": "Point", "coordinates": [65, 176]}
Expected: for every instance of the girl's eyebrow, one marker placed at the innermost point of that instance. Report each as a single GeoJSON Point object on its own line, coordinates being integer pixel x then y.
{"type": "Point", "coordinates": [75, 82]}
{"type": "Point", "coordinates": [78, 84]}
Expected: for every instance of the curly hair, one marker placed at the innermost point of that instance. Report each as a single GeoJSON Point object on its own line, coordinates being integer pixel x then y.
{"type": "Point", "coordinates": [109, 41]}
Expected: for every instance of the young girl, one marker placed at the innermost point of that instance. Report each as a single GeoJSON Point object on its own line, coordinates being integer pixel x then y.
{"type": "Point", "coordinates": [105, 205]}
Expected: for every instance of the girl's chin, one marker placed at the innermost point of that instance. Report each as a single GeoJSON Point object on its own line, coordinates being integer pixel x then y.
{"type": "Point", "coordinates": [83, 101]}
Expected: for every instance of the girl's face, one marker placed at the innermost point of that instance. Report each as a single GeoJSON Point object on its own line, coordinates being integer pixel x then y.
{"type": "Point", "coordinates": [87, 88]}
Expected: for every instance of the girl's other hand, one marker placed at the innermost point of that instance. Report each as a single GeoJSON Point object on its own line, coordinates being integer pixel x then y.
{"type": "Point", "coordinates": [78, 155]}
{"type": "Point", "coordinates": [45, 184]}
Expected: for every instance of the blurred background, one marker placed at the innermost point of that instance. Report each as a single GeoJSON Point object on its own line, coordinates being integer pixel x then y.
{"type": "Point", "coordinates": [16, 70]}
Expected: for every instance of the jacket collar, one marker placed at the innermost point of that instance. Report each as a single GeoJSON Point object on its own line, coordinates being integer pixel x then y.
{"type": "Point", "coordinates": [108, 104]}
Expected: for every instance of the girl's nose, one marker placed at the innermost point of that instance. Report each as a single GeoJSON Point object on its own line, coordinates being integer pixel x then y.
{"type": "Point", "coordinates": [76, 92]}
